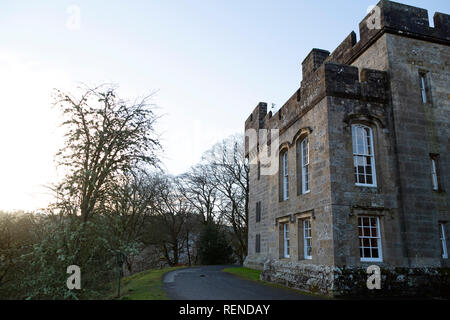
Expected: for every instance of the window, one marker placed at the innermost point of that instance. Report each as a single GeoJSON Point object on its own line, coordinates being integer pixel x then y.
{"type": "Point", "coordinates": [443, 241]}
{"type": "Point", "coordinates": [259, 170]}
{"type": "Point", "coordinates": [307, 239]}
{"type": "Point", "coordinates": [435, 171]}
{"type": "Point", "coordinates": [258, 243]}
{"type": "Point", "coordinates": [423, 87]}
{"type": "Point", "coordinates": [434, 174]}
{"type": "Point", "coordinates": [284, 168]}
{"type": "Point", "coordinates": [363, 156]}
{"type": "Point", "coordinates": [369, 239]}
{"type": "Point", "coordinates": [285, 240]}
{"type": "Point", "coordinates": [258, 211]}
{"type": "Point", "coordinates": [305, 165]}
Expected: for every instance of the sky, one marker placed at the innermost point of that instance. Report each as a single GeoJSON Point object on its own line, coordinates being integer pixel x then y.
{"type": "Point", "coordinates": [208, 64]}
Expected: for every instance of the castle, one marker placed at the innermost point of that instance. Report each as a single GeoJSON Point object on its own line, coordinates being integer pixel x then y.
{"type": "Point", "coordinates": [363, 156]}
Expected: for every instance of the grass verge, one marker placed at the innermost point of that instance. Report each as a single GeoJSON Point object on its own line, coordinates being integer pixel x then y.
{"type": "Point", "coordinates": [146, 285]}
{"type": "Point", "coordinates": [254, 275]}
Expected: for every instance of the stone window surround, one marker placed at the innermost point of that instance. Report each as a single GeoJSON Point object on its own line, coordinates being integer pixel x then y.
{"type": "Point", "coordinates": [285, 147]}
{"type": "Point", "coordinates": [303, 134]}
{"type": "Point", "coordinates": [294, 219]}
{"type": "Point", "coordinates": [434, 157]}
{"type": "Point", "coordinates": [307, 238]}
{"type": "Point", "coordinates": [376, 125]}
{"type": "Point", "coordinates": [383, 214]}
{"type": "Point", "coordinates": [280, 222]}
{"type": "Point", "coordinates": [283, 150]}
{"type": "Point", "coordinates": [443, 238]}
{"type": "Point", "coordinates": [362, 236]}
{"type": "Point", "coordinates": [285, 229]}
{"type": "Point", "coordinates": [370, 155]}
{"type": "Point", "coordinates": [304, 147]}
{"type": "Point", "coordinates": [425, 80]}
{"type": "Point", "coordinates": [300, 218]}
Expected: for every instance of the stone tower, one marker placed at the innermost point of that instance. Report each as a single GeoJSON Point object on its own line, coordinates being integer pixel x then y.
{"type": "Point", "coordinates": [363, 163]}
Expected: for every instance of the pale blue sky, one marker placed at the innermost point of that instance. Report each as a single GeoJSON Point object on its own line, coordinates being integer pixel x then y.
{"type": "Point", "coordinates": [211, 62]}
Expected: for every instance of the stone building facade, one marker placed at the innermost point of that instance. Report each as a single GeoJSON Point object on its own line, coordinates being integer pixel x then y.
{"type": "Point", "coordinates": [364, 163]}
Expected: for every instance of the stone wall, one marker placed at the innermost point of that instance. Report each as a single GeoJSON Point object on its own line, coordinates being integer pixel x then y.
{"type": "Point", "coordinates": [306, 277]}
{"type": "Point", "coordinates": [374, 81]}
{"type": "Point", "coordinates": [421, 129]}
{"type": "Point", "coordinates": [345, 282]}
{"type": "Point", "coordinates": [395, 282]}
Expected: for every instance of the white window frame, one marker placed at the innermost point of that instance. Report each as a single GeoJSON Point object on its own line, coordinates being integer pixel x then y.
{"type": "Point", "coordinates": [443, 240]}
{"type": "Point", "coordinates": [307, 237]}
{"type": "Point", "coordinates": [423, 88]}
{"type": "Point", "coordinates": [286, 240]}
{"type": "Point", "coordinates": [368, 153]}
{"type": "Point", "coordinates": [304, 147]}
{"type": "Point", "coordinates": [377, 236]}
{"type": "Point", "coordinates": [434, 176]}
{"type": "Point", "coordinates": [285, 168]}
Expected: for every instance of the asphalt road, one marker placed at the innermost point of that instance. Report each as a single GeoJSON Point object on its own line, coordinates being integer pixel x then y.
{"type": "Point", "coordinates": [210, 283]}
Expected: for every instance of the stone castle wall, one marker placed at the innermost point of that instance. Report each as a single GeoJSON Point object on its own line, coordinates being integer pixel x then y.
{"type": "Point", "coordinates": [373, 81]}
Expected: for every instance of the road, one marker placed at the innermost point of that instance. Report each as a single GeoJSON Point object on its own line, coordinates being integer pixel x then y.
{"type": "Point", "coordinates": [210, 283]}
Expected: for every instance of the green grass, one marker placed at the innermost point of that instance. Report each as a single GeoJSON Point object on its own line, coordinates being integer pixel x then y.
{"type": "Point", "coordinates": [254, 275]}
{"type": "Point", "coordinates": [146, 285]}
{"type": "Point", "coordinates": [245, 273]}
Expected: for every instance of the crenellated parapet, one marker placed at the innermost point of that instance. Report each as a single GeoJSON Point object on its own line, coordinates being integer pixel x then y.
{"type": "Point", "coordinates": [329, 80]}
{"type": "Point", "coordinates": [325, 74]}
{"type": "Point", "coordinates": [395, 18]}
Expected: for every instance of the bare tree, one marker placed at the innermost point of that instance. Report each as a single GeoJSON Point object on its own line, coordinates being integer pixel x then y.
{"type": "Point", "coordinates": [168, 223]}
{"type": "Point", "coordinates": [229, 175]}
{"type": "Point", "coordinates": [198, 188]}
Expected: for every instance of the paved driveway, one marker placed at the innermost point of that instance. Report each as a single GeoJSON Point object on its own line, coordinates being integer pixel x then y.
{"type": "Point", "coordinates": [210, 283]}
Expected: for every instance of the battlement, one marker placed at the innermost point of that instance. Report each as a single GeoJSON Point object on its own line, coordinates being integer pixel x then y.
{"type": "Point", "coordinates": [395, 18]}
{"type": "Point", "coordinates": [325, 74]}
{"type": "Point", "coordinates": [329, 80]}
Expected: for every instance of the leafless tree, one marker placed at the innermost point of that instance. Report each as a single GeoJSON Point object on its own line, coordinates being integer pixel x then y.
{"type": "Point", "coordinates": [170, 223]}
{"type": "Point", "coordinates": [229, 175]}
{"type": "Point", "coordinates": [198, 188]}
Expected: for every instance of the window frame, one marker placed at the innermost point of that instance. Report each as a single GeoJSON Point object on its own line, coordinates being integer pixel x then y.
{"type": "Point", "coordinates": [305, 167]}
{"type": "Point", "coordinates": [435, 172]}
{"type": "Point", "coordinates": [370, 155]}
{"type": "Point", "coordinates": [423, 87]}
{"type": "Point", "coordinates": [443, 240]}
{"type": "Point", "coordinates": [285, 175]}
{"type": "Point", "coordinates": [286, 240]}
{"type": "Point", "coordinates": [362, 236]}
{"type": "Point", "coordinates": [306, 238]}
{"type": "Point", "coordinates": [434, 175]}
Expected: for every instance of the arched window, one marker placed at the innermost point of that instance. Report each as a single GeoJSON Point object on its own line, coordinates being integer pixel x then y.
{"type": "Point", "coordinates": [284, 175]}
{"type": "Point", "coordinates": [363, 156]}
{"type": "Point", "coordinates": [304, 152]}
{"type": "Point", "coordinates": [302, 165]}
